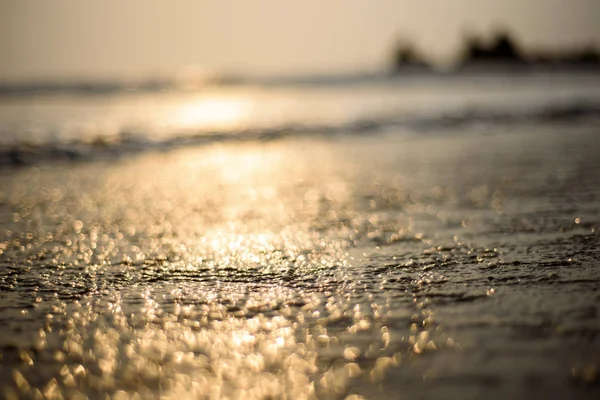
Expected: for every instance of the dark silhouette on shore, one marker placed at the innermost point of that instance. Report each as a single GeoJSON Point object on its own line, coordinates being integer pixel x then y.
{"type": "Point", "coordinates": [502, 51]}
{"type": "Point", "coordinates": [407, 57]}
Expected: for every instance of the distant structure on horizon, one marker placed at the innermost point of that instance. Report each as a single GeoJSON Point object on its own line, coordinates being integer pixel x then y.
{"type": "Point", "coordinates": [501, 51]}
{"type": "Point", "coordinates": [406, 57]}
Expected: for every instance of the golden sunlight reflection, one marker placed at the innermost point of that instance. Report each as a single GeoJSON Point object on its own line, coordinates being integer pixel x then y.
{"type": "Point", "coordinates": [249, 303]}
{"type": "Point", "coordinates": [212, 112]}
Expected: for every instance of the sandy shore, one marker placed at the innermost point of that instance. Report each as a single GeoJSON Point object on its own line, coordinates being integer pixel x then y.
{"type": "Point", "coordinates": [459, 265]}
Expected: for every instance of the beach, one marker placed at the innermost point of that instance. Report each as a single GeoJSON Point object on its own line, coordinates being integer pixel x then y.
{"type": "Point", "coordinates": [421, 246]}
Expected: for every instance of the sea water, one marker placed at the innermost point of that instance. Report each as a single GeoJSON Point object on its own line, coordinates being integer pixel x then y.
{"type": "Point", "coordinates": [407, 237]}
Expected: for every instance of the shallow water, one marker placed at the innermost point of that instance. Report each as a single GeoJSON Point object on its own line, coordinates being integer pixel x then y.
{"type": "Point", "coordinates": [451, 265]}
{"type": "Point", "coordinates": [66, 125]}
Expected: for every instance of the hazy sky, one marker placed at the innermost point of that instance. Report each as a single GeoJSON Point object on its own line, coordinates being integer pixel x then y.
{"type": "Point", "coordinates": [42, 39]}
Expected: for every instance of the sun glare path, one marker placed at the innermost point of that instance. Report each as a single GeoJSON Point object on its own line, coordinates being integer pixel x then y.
{"type": "Point", "coordinates": [213, 112]}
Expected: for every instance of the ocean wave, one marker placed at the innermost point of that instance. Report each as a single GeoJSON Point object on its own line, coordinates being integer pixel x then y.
{"type": "Point", "coordinates": [127, 142]}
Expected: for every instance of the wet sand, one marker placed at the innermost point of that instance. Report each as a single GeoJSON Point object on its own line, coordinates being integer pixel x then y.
{"type": "Point", "coordinates": [451, 265]}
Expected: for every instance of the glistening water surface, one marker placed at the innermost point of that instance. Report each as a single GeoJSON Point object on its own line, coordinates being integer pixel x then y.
{"type": "Point", "coordinates": [461, 263]}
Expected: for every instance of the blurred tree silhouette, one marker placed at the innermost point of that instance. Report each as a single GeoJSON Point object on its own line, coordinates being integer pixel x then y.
{"type": "Point", "coordinates": [405, 55]}
{"type": "Point", "coordinates": [502, 49]}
